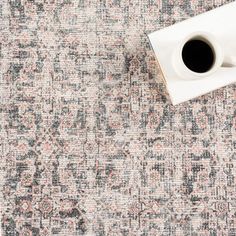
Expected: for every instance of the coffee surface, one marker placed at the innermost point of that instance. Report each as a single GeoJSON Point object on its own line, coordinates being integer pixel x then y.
{"type": "Point", "coordinates": [198, 56]}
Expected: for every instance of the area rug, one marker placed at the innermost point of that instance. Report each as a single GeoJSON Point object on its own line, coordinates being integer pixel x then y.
{"type": "Point", "coordinates": [90, 142]}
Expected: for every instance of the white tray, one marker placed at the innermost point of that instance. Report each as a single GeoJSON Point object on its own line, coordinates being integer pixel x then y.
{"type": "Point", "coordinates": [220, 22]}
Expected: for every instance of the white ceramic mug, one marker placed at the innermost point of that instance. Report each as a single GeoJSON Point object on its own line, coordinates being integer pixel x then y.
{"type": "Point", "coordinates": [220, 59]}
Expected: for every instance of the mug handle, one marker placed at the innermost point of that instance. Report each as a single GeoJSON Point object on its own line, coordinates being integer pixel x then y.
{"type": "Point", "coordinates": [229, 61]}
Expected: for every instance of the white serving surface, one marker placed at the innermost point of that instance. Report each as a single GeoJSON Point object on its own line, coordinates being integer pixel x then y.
{"type": "Point", "coordinates": [221, 23]}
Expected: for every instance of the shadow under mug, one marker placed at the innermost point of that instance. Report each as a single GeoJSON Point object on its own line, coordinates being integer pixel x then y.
{"type": "Point", "coordinates": [203, 41]}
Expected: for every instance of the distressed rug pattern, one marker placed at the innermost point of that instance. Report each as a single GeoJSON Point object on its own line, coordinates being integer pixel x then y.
{"type": "Point", "coordinates": [90, 143]}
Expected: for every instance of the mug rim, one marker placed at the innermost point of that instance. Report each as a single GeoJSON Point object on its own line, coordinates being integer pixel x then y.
{"type": "Point", "coordinates": [212, 42]}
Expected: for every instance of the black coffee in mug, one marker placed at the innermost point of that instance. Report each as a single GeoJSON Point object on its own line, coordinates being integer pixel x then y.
{"type": "Point", "coordinates": [198, 55]}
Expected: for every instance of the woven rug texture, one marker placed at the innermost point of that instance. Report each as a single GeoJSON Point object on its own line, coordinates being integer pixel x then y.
{"type": "Point", "coordinates": [90, 143]}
